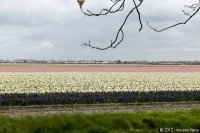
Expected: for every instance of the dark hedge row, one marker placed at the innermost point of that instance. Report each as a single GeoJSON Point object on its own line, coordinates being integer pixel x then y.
{"type": "Point", "coordinates": [98, 97]}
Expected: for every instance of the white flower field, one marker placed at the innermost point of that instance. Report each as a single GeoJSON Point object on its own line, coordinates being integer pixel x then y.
{"type": "Point", "coordinates": [97, 82]}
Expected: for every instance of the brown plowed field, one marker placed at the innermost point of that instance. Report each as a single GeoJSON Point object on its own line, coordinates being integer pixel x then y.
{"type": "Point", "coordinates": [96, 68]}
{"type": "Point", "coordinates": [94, 108]}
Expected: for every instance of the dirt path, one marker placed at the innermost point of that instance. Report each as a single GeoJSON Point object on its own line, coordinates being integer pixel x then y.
{"type": "Point", "coordinates": [92, 108]}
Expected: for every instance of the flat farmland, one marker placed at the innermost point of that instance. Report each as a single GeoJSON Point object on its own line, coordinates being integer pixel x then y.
{"type": "Point", "coordinates": [38, 86]}
{"type": "Point", "coordinates": [96, 68]}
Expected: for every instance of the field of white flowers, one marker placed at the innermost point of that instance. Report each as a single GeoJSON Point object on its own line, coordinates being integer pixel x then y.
{"type": "Point", "coordinates": [97, 82]}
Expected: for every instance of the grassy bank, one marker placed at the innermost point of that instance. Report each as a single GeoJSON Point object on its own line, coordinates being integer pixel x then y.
{"type": "Point", "coordinates": [103, 123]}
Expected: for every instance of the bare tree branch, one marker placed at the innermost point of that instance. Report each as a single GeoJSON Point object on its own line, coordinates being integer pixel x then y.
{"type": "Point", "coordinates": [139, 16]}
{"type": "Point", "coordinates": [118, 6]}
{"type": "Point", "coordinates": [120, 34]}
{"type": "Point", "coordinates": [194, 7]}
{"type": "Point", "coordinates": [107, 11]}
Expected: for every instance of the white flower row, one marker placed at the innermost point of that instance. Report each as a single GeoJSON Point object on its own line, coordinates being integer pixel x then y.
{"type": "Point", "coordinates": [97, 82]}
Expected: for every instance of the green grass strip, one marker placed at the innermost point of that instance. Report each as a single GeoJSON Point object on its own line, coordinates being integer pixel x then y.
{"type": "Point", "coordinates": [133, 122]}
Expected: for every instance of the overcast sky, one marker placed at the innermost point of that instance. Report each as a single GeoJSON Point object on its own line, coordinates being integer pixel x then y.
{"type": "Point", "coordinates": [55, 29]}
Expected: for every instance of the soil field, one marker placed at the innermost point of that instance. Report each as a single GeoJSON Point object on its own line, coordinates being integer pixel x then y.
{"type": "Point", "coordinates": [93, 108]}
{"type": "Point", "coordinates": [96, 68]}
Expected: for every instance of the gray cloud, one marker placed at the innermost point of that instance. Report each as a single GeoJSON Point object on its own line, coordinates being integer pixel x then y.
{"type": "Point", "coordinates": [54, 29]}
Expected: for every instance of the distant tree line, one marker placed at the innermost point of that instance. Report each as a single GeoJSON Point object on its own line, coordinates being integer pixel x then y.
{"type": "Point", "coordinates": [29, 61]}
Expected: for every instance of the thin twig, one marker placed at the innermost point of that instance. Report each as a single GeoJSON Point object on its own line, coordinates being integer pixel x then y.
{"type": "Point", "coordinates": [194, 6]}
{"type": "Point", "coordinates": [120, 34]}
{"type": "Point", "coordinates": [119, 5]}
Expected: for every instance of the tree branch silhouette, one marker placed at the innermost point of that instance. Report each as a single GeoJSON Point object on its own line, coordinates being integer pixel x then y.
{"type": "Point", "coordinates": [118, 6]}
{"type": "Point", "coordinates": [194, 7]}
{"type": "Point", "coordinates": [120, 34]}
